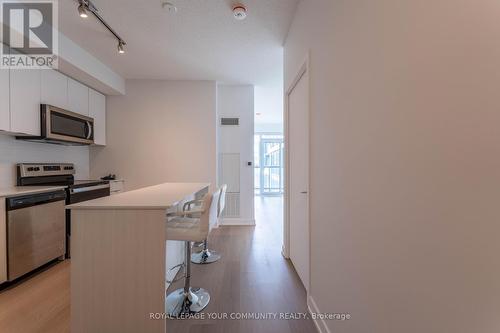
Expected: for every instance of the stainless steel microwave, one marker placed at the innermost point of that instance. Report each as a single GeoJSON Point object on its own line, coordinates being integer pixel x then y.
{"type": "Point", "coordinates": [63, 127]}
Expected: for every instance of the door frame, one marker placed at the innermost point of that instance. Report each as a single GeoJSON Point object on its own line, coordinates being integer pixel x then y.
{"type": "Point", "coordinates": [303, 69]}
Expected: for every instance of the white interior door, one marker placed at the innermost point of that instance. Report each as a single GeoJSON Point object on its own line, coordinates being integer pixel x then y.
{"type": "Point", "coordinates": [298, 150]}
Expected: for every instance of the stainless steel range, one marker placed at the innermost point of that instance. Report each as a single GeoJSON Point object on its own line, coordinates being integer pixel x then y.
{"type": "Point", "coordinates": [57, 174]}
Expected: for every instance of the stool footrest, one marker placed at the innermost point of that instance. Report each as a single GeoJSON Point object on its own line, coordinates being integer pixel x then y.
{"type": "Point", "coordinates": [205, 257]}
{"type": "Point", "coordinates": [178, 278]}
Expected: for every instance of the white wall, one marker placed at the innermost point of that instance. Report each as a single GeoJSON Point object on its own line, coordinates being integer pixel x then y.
{"type": "Point", "coordinates": [238, 101]}
{"type": "Point", "coordinates": [160, 131]}
{"type": "Point", "coordinates": [269, 107]}
{"type": "Point", "coordinates": [405, 162]}
{"type": "Point", "coordinates": [76, 62]}
{"type": "Point", "coordinates": [267, 128]}
{"type": "Point", "coordinates": [13, 151]}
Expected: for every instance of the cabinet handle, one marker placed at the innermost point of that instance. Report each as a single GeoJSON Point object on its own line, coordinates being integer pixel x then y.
{"type": "Point", "coordinates": [89, 125]}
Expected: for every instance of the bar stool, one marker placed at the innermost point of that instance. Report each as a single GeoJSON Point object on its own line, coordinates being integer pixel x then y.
{"type": "Point", "coordinates": [207, 256]}
{"type": "Point", "coordinates": [190, 226]}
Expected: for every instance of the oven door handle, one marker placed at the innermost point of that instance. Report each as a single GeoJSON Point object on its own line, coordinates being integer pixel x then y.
{"type": "Point", "coordinates": [88, 189]}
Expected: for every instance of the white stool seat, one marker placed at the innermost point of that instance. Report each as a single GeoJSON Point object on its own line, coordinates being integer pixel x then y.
{"type": "Point", "coordinates": [189, 226]}
{"type": "Point", "coordinates": [185, 229]}
{"type": "Point", "coordinates": [206, 256]}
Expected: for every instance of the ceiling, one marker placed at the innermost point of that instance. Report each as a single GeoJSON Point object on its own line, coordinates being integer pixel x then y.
{"type": "Point", "coordinates": [202, 41]}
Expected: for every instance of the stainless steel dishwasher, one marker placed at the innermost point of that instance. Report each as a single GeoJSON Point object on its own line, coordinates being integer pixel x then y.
{"type": "Point", "coordinates": [35, 231]}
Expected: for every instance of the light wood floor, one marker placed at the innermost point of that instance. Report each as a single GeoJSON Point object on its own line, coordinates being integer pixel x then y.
{"type": "Point", "coordinates": [39, 303]}
{"type": "Point", "coordinates": [252, 276]}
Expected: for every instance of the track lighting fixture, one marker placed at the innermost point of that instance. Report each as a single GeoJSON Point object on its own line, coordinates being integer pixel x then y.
{"type": "Point", "coordinates": [85, 6]}
{"type": "Point", "coordinates": [121, 50]}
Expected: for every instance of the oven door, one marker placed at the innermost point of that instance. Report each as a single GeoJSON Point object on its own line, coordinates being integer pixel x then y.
{"type": "Point", "coordinates": [66, 126]}
{"type": "Point", "coordinates": [80, 194]}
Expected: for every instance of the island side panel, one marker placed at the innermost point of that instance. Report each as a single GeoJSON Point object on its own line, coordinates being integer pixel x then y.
{"type": "Point", "coordinates": [117, 270]}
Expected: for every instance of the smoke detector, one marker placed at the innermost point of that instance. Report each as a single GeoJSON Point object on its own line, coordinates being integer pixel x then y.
{"type": "Point", "coordinates": [239, 12]}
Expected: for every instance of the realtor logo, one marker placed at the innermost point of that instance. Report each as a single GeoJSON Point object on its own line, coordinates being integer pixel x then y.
{"type": "Point", "coordinates": [29, 34]}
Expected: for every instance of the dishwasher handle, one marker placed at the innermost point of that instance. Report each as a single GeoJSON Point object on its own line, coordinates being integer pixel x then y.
{"type": "Point", "coordinates": [31, 200]}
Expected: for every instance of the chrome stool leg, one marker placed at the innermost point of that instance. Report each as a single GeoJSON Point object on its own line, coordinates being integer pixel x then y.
{"type": "Point", "coordinates": [206, 256]}
{"type": "Point", "coordinates": [185, 301]}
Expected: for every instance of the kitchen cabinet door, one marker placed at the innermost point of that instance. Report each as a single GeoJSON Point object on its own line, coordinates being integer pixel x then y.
{"type": "Point", "coordinates": [116, 186]}
{"type": "Point", "coordinates": [25, 101]}
{"type": "Point", "coordinates": [3, 241]}
{"type": "Point", "coordinates": [54, 88]}
{"type": "Point", "coordinates": [78, 97]}
{"type": "Point", "coordinates": [4, 100]}
{"type": "Point", "coordinates": [97, 110]}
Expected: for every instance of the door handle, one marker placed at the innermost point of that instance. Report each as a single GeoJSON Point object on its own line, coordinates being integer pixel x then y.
{"type": "Point", "coordinates": [303, 192]}
{"type": "Point", "coordinates": [89, 126]}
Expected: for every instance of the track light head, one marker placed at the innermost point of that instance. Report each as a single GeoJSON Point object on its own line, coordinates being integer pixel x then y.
{"type": "Point", "coordinates": [121, 49]}
{"type": "Point", "coordinates": [82, 11]}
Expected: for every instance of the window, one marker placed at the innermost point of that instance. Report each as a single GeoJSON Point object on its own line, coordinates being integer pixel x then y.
{"type": "Point", "coordinates": [268, 159]}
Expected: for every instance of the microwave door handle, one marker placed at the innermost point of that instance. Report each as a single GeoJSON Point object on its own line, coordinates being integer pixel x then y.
{"type": "Point", "coordinates": [89, 126]}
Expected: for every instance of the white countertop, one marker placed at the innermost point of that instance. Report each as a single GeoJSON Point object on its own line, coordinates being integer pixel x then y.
{"type": "Point", "coordinates": [21, 190]}
{"type": "Point", "coordinates": [161, 196]}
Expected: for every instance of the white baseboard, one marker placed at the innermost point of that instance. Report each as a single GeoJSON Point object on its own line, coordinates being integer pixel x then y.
{"type": "Point", "coordinates": [320, 323]}
{"type": "Point", "coordinates": [283, 252]}
{"type": "Point", "coordinates": [236, 222]}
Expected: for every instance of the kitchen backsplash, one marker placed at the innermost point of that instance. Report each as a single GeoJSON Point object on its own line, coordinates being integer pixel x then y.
{"type": "Point", "coordinates": [13, 151]}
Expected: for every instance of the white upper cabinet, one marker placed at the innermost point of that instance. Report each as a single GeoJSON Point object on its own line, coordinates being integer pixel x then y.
{"type": "Point", "coordinates": [54, 88]}
{"type": "Point", "coordinates": [4, 100]}
{"type": "Point", "coordinates": [78, 97]}
{"type": "Point", "coordinates": [25, 101]}
{"type": "Point", "coordinates": [23, 90]}
{"type": "Point", "coordinates": [97, 110]}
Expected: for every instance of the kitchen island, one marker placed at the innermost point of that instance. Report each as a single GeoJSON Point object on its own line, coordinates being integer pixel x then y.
{"type": "Point", "coordinates": [118, 258]}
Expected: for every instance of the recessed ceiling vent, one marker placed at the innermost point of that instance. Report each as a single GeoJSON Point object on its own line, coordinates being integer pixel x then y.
{"type": "Point", "coordinates": [230, 121]}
